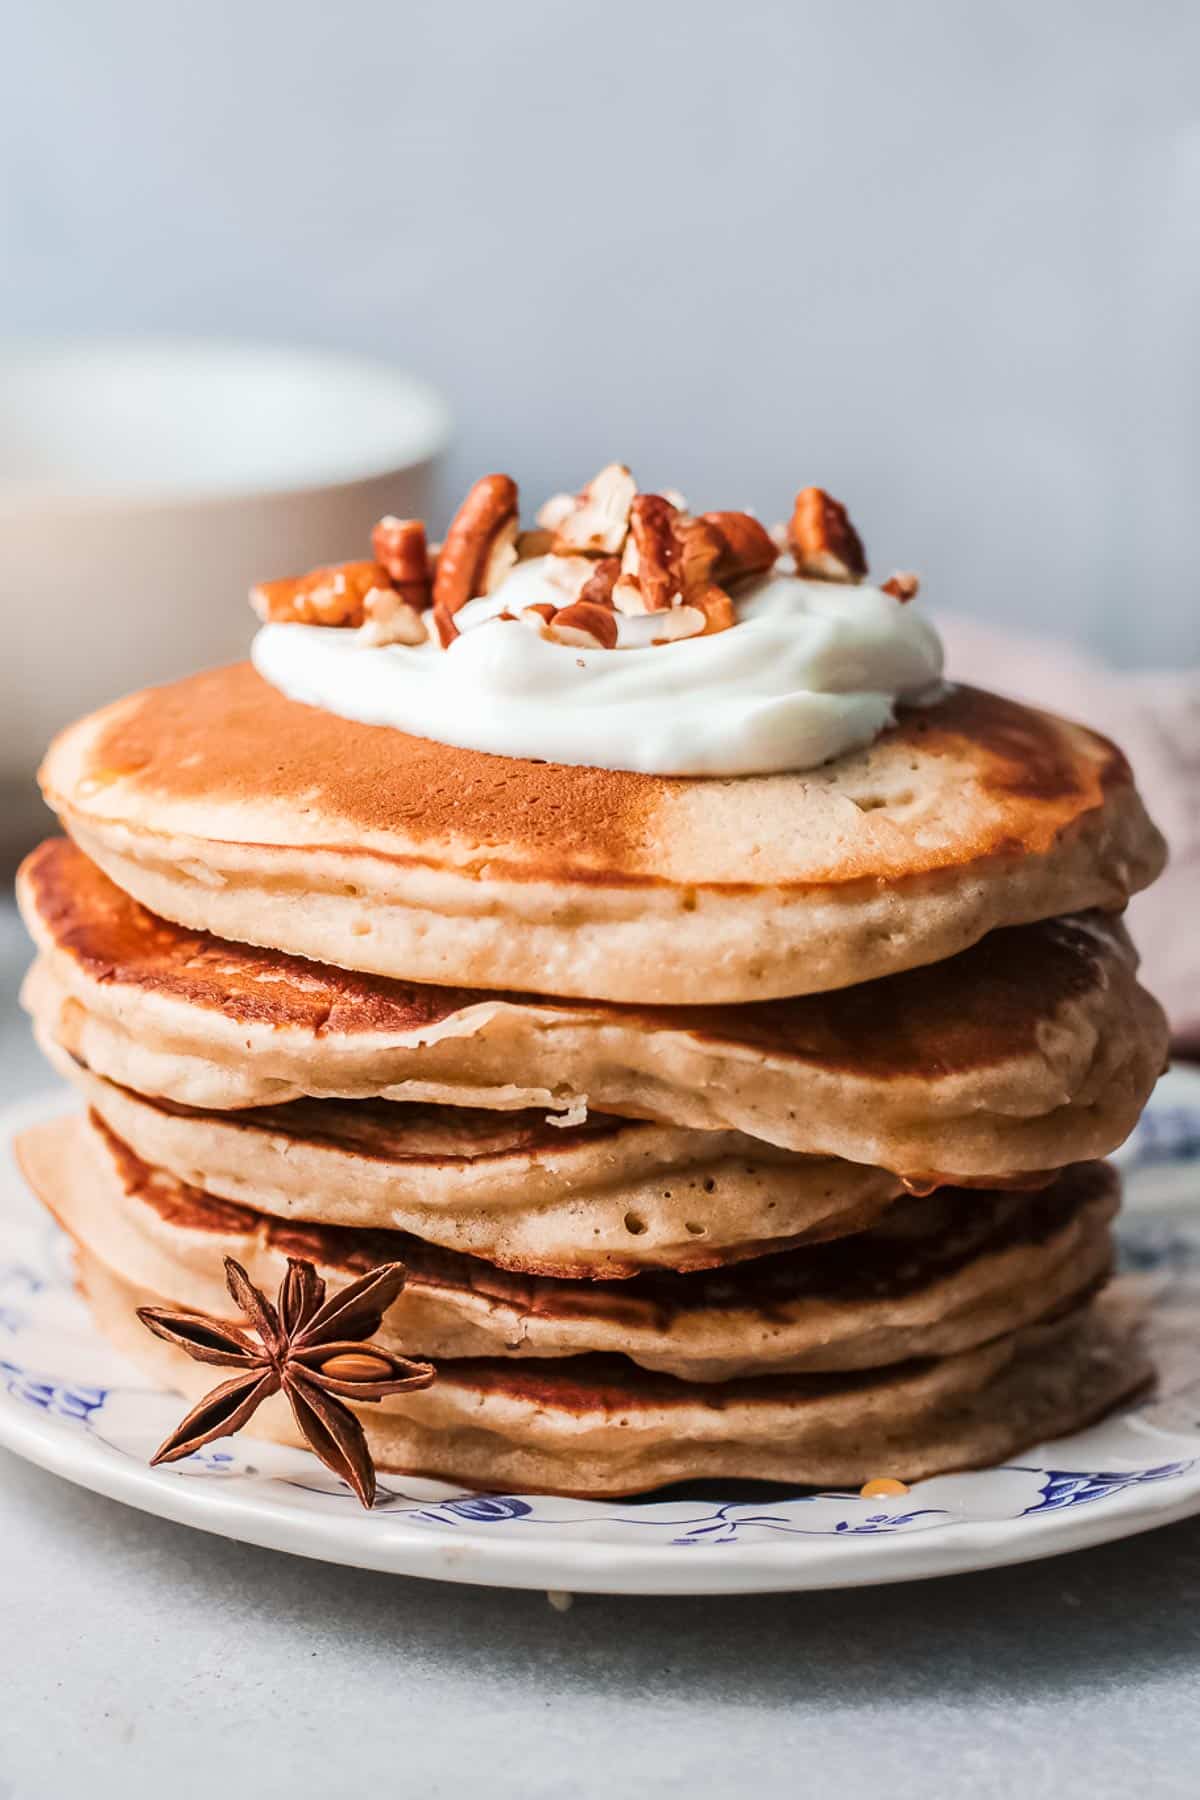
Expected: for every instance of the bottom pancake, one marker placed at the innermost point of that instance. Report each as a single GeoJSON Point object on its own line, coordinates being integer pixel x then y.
{"type": "Point", "coordinates": [944, 1273]}
{"type": "Point", "coordinates": [600, 1426]}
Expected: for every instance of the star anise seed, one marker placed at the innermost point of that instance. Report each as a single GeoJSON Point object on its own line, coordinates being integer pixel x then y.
{"type": "Point", "coordinates": [305, 1346]}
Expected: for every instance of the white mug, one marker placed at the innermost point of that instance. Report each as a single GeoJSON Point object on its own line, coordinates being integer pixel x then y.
{"type": "Point", "coordinates": [145, 485]}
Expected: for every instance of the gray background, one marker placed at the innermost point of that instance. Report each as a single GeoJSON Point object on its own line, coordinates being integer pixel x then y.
{"type": "Point", "coordinates": [942, 258]}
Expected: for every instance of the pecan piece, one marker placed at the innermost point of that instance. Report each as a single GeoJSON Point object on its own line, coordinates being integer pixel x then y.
{"type": "Point", "coordinates": [668, 627]}
{"type": "Point", "coordinates": [330, 596]}
{"type": "Point", "coordinates": [593, 522]}
{"type": "Point", "coordinates": [400, 548]}
{"type": "Point", "coordinates": [904, 585]}
{"type": "Point", "coordinates": [746, 546]}
{"type": "Point", "coordinates": [598, 518]}
{"type": "Point", "coordinates": [668, 558]}
{"type": "Point", "coordinates": [554, 511]}
{"type": "Point", "coordinates": [651, 561]}
{"type": "Point", "coordinates": [649, 579]}
{"type": "Point", "coordinates": [584, 623]}
{"type": "Point", "coordinates": [439, 626]}
{"type": "Point", "coordinates": [388, 618]}
{"type": "Point", "coordinates": [700, 616]}
{"type": "Point", "coordinates": [598, 589]}
{"type": "Point", "coordinates": [534, 543]}
{"type": "Point", "coordinates": [538, 615]}
{"type": "Point", "coordinates": [700, 546]}
{"type": "Point", "coordinates": [717, 609]}
{"type": "Point", "coordinates": [822, 539]}
{"type": "Point", "coordinates": [481, 545]}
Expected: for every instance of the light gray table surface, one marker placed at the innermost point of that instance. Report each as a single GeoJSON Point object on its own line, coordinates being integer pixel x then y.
{"type": "Point", "coordinates": [139, 1658]}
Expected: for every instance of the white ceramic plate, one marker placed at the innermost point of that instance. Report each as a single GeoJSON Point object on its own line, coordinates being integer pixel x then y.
{"type": "Point", "coordinates": [70, 1404]}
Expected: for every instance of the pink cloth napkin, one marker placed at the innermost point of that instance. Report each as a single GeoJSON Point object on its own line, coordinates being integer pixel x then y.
{"type": "Point", "coordinates": [1155, 718]}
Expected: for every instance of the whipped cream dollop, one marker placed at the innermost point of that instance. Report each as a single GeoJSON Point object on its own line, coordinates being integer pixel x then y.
{"type": "Point", "coordinates": [811, 670]}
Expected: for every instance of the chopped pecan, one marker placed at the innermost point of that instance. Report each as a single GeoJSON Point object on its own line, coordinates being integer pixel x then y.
{"type": "Point", "coordinates": [698, 617]}
{"type": "Point", "coordinates": [700, 546]}
{"type": "Point", "coordinates": [717, 609]}
{"type": "Point", "coordinates": [401, 549]}
{"type": "Point", "coordinates": [649, 580]}
{"type": "Point", "coordinates": [534, 543]}
{"type": "Point", "coordinates": [330, 596]}
{"type": "Point", "coordinates": [746, 546]}
{"type": "Point", "coordinates": [584, 623]}
{"type": "Point", "coordinates": [904, 585]}
{"type": "Point", "coordinates": [439, 626]}
{"type": "Point", "coordinates": [668, 557]}
{"type": "Point", "coordinates": [651, 561]}
{"type": "Point", "coordinates": [597, 590]}
{"type": "Point", "coordinates": [627, 597]}
{"type": "Point", "coordinates": [388, 618]}
{"type": "Point", "coordinates": [668, 627]}
{"type": "Point", "coordinates": [552, 512]}
{"type": "Point", "coordinates": [481, 545]}
{"type": "Point", "coordinates": [538, 615]}
{"type": "Point", "coordinates": [822, 539]}
{"type": "Point", "coordinates": [597, 520]}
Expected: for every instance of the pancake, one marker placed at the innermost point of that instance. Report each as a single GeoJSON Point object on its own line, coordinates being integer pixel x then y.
{"type": "Point", "coordinates": [228, 808]}
{"type": "Point", "coordinates": [944, 1273]}
{"type": "Point", "coordinates": [1033, 1049]}
{"type": "Point", "coordinates": [604, 1197]}
{"type": "Point", "coordinates": [599, 1425]}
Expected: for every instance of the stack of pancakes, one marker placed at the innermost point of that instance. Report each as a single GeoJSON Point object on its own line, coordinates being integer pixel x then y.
{"type": "Point", "coordinates": [740, 1128]}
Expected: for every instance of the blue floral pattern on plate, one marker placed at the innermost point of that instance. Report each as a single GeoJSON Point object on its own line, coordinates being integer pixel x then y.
{"type": "Point", "coordinates": [56, 1371]}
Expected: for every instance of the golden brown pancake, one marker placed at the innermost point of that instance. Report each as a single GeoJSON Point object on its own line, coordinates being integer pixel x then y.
{"type": "Point", "coordinates": [942, 1274]}
{"type": "Point", "coordinates": [225, 807]}
{"type": "Point", "coordinates": [603, 1197]}
{"type": "Point", "coordinates": [600, 1425]}
{"type": "Point", "coordinates": [1033, 1049]}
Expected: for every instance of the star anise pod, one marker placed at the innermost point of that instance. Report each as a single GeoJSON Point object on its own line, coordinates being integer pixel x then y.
{"type": "Point", "coordinates": [306, 1346]}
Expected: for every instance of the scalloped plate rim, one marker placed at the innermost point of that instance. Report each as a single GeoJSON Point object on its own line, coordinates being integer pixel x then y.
{"type": "Point", "coordinates": [388, 1543]}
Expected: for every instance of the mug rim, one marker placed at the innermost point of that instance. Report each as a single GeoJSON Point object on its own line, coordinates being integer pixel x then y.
{"type": "Point", "coordinates": [424, 431]}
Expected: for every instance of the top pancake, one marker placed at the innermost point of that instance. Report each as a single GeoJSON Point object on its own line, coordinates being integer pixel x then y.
{"type": "Point", "coordinates": [225, 807]}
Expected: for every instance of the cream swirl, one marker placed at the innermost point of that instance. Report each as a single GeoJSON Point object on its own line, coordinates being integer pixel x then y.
{"type": "Point", "coordinates": [811, 670]}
